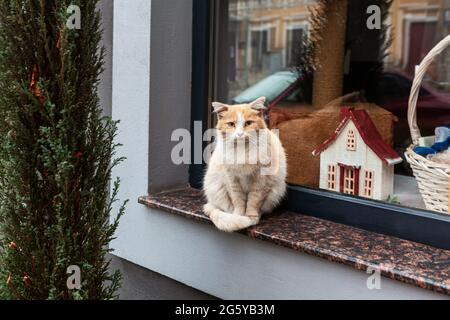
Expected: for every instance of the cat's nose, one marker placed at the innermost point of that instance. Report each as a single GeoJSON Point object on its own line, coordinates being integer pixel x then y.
{"type": "Point", "coordinates": [239, 134]}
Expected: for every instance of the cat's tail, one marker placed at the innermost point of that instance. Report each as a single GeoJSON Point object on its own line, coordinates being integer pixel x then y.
{"type": "Point", "coordinates": [228, 222]}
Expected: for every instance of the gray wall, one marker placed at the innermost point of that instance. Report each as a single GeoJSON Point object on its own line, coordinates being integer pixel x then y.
{"type": "Point", "coordinates": [106, 8]}
{"type": "Point", "coordinates": [142, 284]}
{"type": "Point", "coordinates": [137, 283]}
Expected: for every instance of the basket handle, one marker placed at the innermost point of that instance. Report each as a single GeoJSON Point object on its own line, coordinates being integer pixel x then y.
{"type": "Point", "coordinates": [415, 89]}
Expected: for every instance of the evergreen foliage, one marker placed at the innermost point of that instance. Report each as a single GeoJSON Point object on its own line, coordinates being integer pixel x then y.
{"type": "Point", "coordinates": [56, 153]}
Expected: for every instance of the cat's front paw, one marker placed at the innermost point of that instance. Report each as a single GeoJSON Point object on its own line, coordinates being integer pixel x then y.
{"type": "Point", "coordinates": [208, 209]}
{"type": "Point", "coordinates": [252, 214]}
{"type": "Point", "coordinates": [239, 212]}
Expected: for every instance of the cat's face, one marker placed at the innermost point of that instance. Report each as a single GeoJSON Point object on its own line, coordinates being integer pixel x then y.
{"type": "Point", "coordinates": [240, 121]}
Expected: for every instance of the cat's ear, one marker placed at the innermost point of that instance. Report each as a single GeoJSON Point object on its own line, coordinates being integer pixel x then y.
{"type": "Point", "coordinates": [219, 107]}
{"type": "Point", "coordinates": [258, 104]}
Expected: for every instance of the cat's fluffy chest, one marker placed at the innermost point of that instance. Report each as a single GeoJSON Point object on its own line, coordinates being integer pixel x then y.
{"type": "Point", "coordinates": [245, 157]}
{"type": "Point", "coordinates": [245, 169]}
{"type": "Point", "coordinates": [246, 174]}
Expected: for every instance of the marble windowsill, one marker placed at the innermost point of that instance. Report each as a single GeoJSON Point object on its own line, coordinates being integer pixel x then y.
{"type": "Point", "coordinates": [413, 263]}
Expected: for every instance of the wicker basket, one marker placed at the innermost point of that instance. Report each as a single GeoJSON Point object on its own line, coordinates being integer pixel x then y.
{"type": "Point", "coordinates": [432, 178]}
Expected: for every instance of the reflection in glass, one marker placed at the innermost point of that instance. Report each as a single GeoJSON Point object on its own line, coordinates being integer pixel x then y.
{"type": "Point", "coordinates": [267, 50]}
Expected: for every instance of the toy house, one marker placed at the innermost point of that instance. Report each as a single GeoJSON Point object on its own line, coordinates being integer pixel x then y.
{"type": "Point", "coordinates": [355, 160]}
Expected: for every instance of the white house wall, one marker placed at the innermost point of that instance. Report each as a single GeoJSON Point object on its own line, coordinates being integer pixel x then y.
{"type": "Point", "coordinates": [387, 187]}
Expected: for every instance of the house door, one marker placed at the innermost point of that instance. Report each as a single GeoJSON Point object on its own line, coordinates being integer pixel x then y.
{"type": "Point", "coordinates": [349, 182]}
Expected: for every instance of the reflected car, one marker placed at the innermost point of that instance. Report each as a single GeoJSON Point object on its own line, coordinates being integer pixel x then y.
{"type": "Point", "coordinates": [433, 105]}
{"type": "Point", "coordinates": [272, 87]}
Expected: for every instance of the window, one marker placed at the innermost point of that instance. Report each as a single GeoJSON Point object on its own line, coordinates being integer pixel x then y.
{"type": "Point", "coordinates": [294, 44]}
{"type": "Point", "coordinates": [368, 183]}
{"type": "Point", "coordinates": [268, 51]}
{"type": "Point", "coordinates": [351, 140]}
{"type": "Point", "coordinates": [331, 181]}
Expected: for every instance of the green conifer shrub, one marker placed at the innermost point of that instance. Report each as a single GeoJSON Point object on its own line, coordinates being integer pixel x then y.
{"type": "Point", "coordinates": [56, 153]}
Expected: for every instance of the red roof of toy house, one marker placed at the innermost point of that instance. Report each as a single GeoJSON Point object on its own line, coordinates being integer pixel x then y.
{"type": "Point", "coordinates": [368, 132]}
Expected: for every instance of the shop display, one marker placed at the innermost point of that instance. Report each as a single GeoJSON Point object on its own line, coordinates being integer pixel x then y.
{"type": "Point", "coordinates": [316, 126]}
{"type": "Point", "coordinates": [356, 160]}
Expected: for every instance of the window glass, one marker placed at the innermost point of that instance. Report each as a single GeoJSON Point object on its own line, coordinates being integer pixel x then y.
{"type": "Point", "coordinates": [342, 66]}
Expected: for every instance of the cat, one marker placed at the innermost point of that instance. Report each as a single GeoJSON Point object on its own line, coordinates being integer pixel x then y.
{"type": "Point", "coordinates": [247, 170]}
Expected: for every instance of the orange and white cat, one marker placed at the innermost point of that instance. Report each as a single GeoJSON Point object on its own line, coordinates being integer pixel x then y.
{"type": "Point", "coordinates": [247, 169]}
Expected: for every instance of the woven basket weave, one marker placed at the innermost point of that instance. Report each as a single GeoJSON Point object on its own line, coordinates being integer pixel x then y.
{"type": "Point", "coordinates": [432, 178]}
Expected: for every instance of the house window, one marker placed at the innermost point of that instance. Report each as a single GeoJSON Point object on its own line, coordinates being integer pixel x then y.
{"type": "Point", "coordinates": [351, 140]}
{"type": "Point", "coordinates": [331, 178]}
{"type": "Point", "coordinates": [368, 183]}
{"type": "Point", "coordinates": [254, 50]}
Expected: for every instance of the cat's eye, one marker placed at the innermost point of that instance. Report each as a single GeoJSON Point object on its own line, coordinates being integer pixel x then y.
{"type": "Point", "coordinates": [231, 124]}
{"type": "Point", "coordinates": [248, 123]}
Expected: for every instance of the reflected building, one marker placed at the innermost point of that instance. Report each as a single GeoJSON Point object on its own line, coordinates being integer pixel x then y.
{"type": "Point", "coordinates": [265, 36]}
{"type": "Point", "coordinates": [417, 25]}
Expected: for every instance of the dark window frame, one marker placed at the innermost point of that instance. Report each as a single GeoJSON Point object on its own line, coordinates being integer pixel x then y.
{"type": "Point", "coordinates": [417, 225]}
